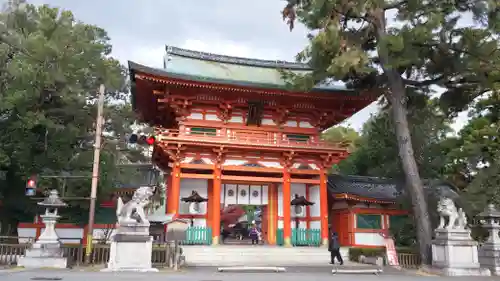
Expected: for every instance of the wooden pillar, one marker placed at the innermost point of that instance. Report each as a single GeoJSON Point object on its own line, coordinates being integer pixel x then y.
{"type": "Point", "coordinates": [175, 190]}
{"type": "Point", "coordinates": [323, 193]}
{"type": "Point", "coordinates": [287, 218]}
{"type": "Point", "coordinates": [216, 190]}
{"type": "Point", "coordinates": [272, 213]}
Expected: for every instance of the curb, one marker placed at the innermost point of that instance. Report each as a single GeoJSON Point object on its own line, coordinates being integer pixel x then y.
{"type": "Point", "coordinates": [13, 270]}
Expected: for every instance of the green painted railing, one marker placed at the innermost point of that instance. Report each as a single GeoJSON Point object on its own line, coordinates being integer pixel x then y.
{"type": "Point", "coordinates": [300, 237]}
{"type": "Point", "coordinates": [198, 235]}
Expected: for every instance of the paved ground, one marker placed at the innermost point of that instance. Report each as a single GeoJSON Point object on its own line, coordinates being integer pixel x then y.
{"type": "Point", "coordinates": [208, 274]}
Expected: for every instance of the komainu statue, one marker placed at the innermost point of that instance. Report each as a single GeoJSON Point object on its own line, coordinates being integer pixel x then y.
{"type": "Point", "coordinates": [133, 211]}
{"type": "Point", "coordinates": [456, 218]}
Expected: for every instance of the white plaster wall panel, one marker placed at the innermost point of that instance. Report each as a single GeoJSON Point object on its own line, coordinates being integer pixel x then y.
{"type": "Point", "coordinates": [230, 199]}
{"type": "Point", "coordinates": [305, 124]}
{"type": "Point", "coordinates": [195, 116]}
{"type": "Point", "coordinates": [268, 121]}
{"type": "Point", "coordinates": [265, 194]}
{"type": "Point", "coordinates": [187, 187]}
{"type": "Point", "coordinates": [187, 160]}
{"type": "Point", "coordinates": [26, 234]}
{"type": "Point", "coordinates": [315, 224]}
{"type": "Point", "coordinates": [368, 239]}
{"type": "Point", "coordinates": [314, 166]}
{"type": "Point", "coordinates": [234, 162]}
{"type": "Point", "coordinates": [302, 224]}
{"type": "Point", "coordinates": [291, 123]}
{"type": "Point", "coordinates": [243, 194]}
{"type": "Point", "coordinates": [236, 119]}
{"type": "Point", "coordinates": [269, 164]}
{"type": "Point", "coordinates": [69, 235]}
{"type": "Point", "coordinates": [211, 117]}
{"type": "Point", "coordinates": [280, 224]}
{"type": "Point", "coordinates": [100, 234]}
{"type": "Point", "coordinates": [207, 160]}
{"type": "Point", "coordinates": [340, 205]}
{"type": "Point", "coordinates": [256, 190]}
{"type": "Point", "coordinates": [314, 196]}
{"type": "Point", "coordinates": [200, 222]}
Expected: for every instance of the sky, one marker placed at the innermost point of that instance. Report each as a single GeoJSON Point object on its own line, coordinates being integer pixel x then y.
{"type": "Point", "coordinates": [139, 31]}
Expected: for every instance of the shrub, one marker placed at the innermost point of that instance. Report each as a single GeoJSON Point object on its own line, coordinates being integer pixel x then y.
{"type": "Point", "coordinates": [354, 253]}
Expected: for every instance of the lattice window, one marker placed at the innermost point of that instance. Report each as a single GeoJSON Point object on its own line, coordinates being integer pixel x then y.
{"type": "Point", "coordinates": [298, 138]}
{"type": "Point", "coordinates": [397, 221]}
{"type": "Point", "coordinates": [203, 131]}
{"type": "Point", "coordinates": [368, 221]}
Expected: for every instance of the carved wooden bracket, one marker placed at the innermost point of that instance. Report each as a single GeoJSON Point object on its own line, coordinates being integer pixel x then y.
{"type": "Point", "coordinates": [224, 112]}
{"type": "Point", "coordinates": [327, 161]}
{"type": "Point", "coordinates": [176, 153]}
{"type": "Point", "coordinates": [181, 107]}
{"type": "Point", "coordinates": [280, 116]}
{"type": "Point", "coordinates": [219, 155]}
{"type": "Point", "coordinates": [287, 159]}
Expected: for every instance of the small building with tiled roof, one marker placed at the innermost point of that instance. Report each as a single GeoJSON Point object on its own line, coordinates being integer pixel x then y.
{"type": "Point", "coordinates": [362, 209]}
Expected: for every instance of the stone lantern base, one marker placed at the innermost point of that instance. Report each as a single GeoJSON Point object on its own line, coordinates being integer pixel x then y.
{"type": "Point", "coordinates": [46, 252]}
{"type": "Point", "coordinates": [455, 253]}
{"type": "Point", "coordinates": [489, 257]}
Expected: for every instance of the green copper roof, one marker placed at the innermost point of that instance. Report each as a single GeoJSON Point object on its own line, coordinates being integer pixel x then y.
{"type": "Point", "coordinates": [206, 67]}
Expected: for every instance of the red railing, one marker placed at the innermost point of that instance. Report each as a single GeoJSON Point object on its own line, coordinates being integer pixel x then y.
{"type": "Point", "coordinates": [257, 138]}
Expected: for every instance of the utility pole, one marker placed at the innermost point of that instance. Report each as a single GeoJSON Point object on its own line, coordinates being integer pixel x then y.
{"type": "Point", "coordinates": [95, 173]}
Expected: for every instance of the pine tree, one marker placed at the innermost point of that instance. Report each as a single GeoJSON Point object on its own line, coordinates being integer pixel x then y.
{"type": "Point", "coordinates": [402, 47]}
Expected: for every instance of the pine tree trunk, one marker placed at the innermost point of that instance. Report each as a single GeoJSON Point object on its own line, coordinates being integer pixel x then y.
{"type": "Point", "coordinates": [413, 182]}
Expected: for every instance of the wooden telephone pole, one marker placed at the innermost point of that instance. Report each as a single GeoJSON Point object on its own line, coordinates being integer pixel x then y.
{"type": "Point", "coordinates": [95, 174]}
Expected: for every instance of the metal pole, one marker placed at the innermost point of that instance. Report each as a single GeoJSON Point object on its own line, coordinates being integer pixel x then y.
{"type": "Point", "coordinates": [95, 173]}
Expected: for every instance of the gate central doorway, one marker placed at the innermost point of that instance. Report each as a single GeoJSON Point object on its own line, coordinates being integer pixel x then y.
{"type": "Point", "coordinates": [244, 205]}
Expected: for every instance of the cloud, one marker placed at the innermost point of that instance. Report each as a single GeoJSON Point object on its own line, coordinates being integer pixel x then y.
{"type": "Point", "coordinates": [139, 30]}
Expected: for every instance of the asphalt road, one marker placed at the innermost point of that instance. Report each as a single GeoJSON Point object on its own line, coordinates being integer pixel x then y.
{"type": "Point", "coordinates": [209, 274]}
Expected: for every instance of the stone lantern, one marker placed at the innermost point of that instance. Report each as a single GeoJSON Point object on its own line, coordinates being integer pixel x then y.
{"type": "Point", "coordinates": [47, 252]}
{"type": "Point", "coordinates": [194, 201]}
{"type": "Point", "coordinates": [298, 203]}
{"type": "Point", "coordinates": [489, 252]}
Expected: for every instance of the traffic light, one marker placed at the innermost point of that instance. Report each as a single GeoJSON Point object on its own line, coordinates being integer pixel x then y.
{"type": "Point", "coordinates": [31, 186]}
{"type": "Point", "coordinates": [141, 139]}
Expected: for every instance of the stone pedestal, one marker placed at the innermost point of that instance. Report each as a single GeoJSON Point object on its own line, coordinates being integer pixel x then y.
{"type": "Point", "coordinates": [489, 252]}
{"type": "Point", "coordinates": [489, 257]}
{"type": "Point", "coordinates": [455, 253]}
{"type": "Point", "coordinates": [131, 249]}
{"type": "Point", "coordinates": [46, 252]}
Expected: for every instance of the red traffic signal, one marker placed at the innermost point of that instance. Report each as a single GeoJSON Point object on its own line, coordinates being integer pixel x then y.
{"type": "Point", "coordinates": [151, 140]}
{"type": "Point", "coordinates": [31, 183]}
{"type": "Point", "coordinates": [31, 187]}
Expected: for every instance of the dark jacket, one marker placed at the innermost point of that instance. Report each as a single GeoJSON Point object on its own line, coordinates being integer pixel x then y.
{"type": "Point", "coordinates": [333, 244]}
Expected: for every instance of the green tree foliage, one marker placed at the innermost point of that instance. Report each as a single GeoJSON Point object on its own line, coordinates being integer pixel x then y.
{"type": "Point", "coordinates": [475, 158]}
{"type": "Point", "coordinates": [341, 134]}
{"type": "Point", "coordinates": [376, 152]}
{"type": "Point", "coordinates": [51, 66]}
{"type": "Point", "coordinates": [424, 45]}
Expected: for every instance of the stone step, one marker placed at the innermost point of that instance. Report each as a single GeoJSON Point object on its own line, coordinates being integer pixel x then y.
{"type": "Point", "coordinates": [256, 256]}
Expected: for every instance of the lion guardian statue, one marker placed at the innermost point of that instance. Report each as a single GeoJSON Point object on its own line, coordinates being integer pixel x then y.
{"type": "Point", "coordinates": [133, 211]}
{"type": "Point", "coordinates": [456, 218]}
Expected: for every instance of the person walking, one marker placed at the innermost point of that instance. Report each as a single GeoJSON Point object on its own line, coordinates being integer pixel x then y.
{"type": "Point", "coordinates": [254, 235]}
{"type": "Point", "coordinates": [334, 248]}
